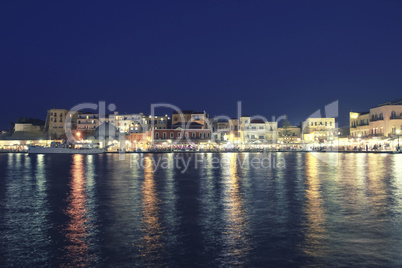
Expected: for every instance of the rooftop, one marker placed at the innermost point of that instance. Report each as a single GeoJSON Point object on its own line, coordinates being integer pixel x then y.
{"type": "Point", "coordinates": [188, 112]}
{"type": "Point", "coordinates": [395, 102]}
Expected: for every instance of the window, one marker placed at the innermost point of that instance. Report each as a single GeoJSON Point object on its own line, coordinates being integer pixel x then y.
{"type": "Point", "coordinates": [330, 123]}
{"type": "Point", "coordinates": [261, 137]}
{"type": "Point", "coordinates": [171, 135]}
{"type": "Point", "coordinates": [326, 123]}
{"type": "Point", "coordinates": [312, 124]}
{"type": "Point", "coordinates": [315, 123]}
{"type": "Point", "coordinates": [209, 135]}
{"type": "Point", "coordinates": [164, 135]}
{"type": "Point", "coordinates": [193, 135]}
{"type": "Point", "coordinates": [186, 134]}
{"type": "Point", "coordinates": [179, 134]}
{"type": "Point", "coordinates": [200, 135]}
{"type": "Point", "coordinates": [156, 135]}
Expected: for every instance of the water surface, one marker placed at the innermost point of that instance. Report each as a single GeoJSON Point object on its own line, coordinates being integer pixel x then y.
{"type": "Point", "coordinates": [146, 210]}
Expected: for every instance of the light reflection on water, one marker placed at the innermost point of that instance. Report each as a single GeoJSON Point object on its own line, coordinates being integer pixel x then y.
{"type": "Point", "coordinates": [314, 210]}
{"type": "Point", "coordinates": [235, 237]}
{"type": "Point", "coordinates": [77, 229]}
{"type": "Point", "coordinates": [151, 246]}
{"type": "Point", "coordinates": [98, 211]}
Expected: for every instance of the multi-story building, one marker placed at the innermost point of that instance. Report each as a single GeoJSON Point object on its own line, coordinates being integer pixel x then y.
{"type": "Point", "coordinates": [359, 124]}
{"type": "Point", "coordinates": [138, 123]}
{"type": "Point", "coordinates": [319, 129]}
{"type": "Point", "coordinates": [55, 123]}
{"type": "Point", "coordinates": [226, 130]}
{"type": "Point", "coordinates": [156, 122]}
{"type": "Point", "coordinates": [385, 120]}
{"type": "Point", "coordinates": [128, 123]}
{"type": "Point", "coordinates": [184, 135]}
{"type": "Point", "coordinates": [220, 128]}
{"type": "Point", "coordinates": [108, 118]}
{"type": "Point", "coordinates": [257, 130]}
{"type": "Point", "coordinates": [87, 122]}
{"type": "Point", "coordinates": [191, 119]}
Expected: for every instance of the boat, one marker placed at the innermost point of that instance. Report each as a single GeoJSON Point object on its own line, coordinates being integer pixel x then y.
{"type": "Point", "coordinates": [56, 148]}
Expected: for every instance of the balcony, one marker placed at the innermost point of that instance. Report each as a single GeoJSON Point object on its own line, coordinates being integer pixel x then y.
{"type": "Point", "coordinates": [376, 119]}
{"type": "Point", "coordinates": [359, 125]}
{"type": "Point", "coordinates": [392, 117]}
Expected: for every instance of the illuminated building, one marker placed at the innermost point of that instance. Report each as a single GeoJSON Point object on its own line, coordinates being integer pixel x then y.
{"type": "Point", "coordinates": [382, 121]}
{"type": "Point", "coordinates": [254, 130]}
{"type": "Point", "coordinates": [319, 129]}
{"type": "Point", "coordinates": [200, 119]}
{"type": "Point", "coordinates": [87, 122]}
{"type": "Point", "coordinates": [56, 123]}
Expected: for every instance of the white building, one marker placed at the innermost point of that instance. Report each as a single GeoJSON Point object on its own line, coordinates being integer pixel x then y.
{"type": "Point", "coordinates": [257, 130]}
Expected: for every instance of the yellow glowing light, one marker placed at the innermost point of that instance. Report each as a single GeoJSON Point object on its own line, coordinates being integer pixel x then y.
{"type": "Point", "coordinates": [354, 115]}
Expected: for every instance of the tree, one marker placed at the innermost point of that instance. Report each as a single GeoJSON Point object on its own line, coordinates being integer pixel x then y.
{"type": "Point", "coordinates": [285, 131]}
{"type": "Point", "coordinates": [29, 120]}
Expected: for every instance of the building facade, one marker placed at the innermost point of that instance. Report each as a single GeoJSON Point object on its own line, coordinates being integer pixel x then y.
{"type": "Point", "coordinates": [319, 129]}
{"type": "Point", "coordinates": [257, 130]}
{"type": "Point", "coordinates": [156, 122]}
{"type": "Point", "coordinates": [359, 124]}
{"type": "Point", "coordinates": [188, 117]}
{"type": "Point", "coordinates": [385, 120]}
{"type": "Point", "coordinates": [87, 122]}
{"type": "Point", "coordinates": [128, 123]}
{"type": "Point", "coordinates": [182, 135]}
{"type": "Point", "coordinates": [55, 123]}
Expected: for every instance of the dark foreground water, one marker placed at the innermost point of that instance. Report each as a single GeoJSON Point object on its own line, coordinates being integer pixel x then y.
{"type": "Point", "coordinates": [291, 209]}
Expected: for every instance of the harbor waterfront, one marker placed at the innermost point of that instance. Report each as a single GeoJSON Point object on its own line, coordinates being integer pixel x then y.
{"type": "Point", "coordinates": [205, 209]}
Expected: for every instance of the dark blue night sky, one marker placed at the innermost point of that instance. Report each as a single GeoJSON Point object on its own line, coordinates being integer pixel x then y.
{"type": "Point", "coordinates": [277, 57]}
